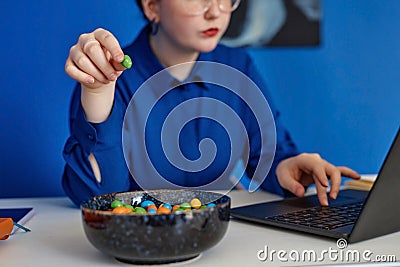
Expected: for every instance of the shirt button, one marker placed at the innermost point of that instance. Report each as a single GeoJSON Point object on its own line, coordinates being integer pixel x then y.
{"type": "Point", "coordinates": [91, 137]}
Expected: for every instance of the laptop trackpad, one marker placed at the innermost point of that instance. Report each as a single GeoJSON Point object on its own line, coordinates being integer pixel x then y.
{"type": "Point", "coordinates": [278, 207]}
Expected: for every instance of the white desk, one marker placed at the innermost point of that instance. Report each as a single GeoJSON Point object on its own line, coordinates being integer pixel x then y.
{"type": "Point", "coordinates": [57, 239]}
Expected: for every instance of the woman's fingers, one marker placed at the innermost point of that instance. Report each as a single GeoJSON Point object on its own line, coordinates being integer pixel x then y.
{"type": "Point", "coordinates": [93, 52]}
{"type": "Point", "coordinates": [321, 193]}
{"type": "Point", "coordinates": [301, 170]}
{"type": "Point", "coordinates": [107, 40]}
{"type": "Point", "coordinates": [347, 172]}
{"type": "Point", "coordinates": [95, 59]}
{"type": "Point", "coordinates": [288, 180]}
{"type": "Point", "coordinates": [76, 74]}
{"type": "Point", "coordinates": [86, 65]}
{"type": "Point", "coordinates": [335, 176]}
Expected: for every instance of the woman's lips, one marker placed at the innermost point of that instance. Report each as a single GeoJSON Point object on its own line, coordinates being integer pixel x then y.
{"type": "Point", "coordinates": [210, 32]}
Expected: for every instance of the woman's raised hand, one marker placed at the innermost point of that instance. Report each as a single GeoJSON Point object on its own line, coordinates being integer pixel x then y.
{"type": "Point", "coordinates": [95, 60]}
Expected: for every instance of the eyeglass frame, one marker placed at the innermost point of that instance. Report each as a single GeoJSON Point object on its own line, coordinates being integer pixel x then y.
{"type": "Point", "coordinates": [207, 7]}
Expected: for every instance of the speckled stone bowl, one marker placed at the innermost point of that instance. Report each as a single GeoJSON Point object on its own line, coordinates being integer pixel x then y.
{"type": "Point", "coordinates": [156, 238]}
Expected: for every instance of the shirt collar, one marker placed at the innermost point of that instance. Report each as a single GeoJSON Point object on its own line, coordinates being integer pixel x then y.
{"type": "Point", "coordinates": [150, 65]}
{"type": "Point", "coordinates": [143, 57]}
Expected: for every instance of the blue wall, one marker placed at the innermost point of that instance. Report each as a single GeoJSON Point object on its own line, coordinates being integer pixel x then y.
{"type": "Point", "coordinates": [340, 99]}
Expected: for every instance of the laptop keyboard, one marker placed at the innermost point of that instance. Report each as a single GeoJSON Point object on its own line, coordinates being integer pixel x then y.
{"type": "Point", "coordinates": [328, 218]}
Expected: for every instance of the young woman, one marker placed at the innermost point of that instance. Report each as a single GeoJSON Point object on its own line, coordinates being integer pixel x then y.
{"type": "Point", "coordinates": [179, 32]}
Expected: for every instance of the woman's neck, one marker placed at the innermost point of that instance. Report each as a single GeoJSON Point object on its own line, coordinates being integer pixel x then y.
{"type": "Point", "coordinates": [171, 55]}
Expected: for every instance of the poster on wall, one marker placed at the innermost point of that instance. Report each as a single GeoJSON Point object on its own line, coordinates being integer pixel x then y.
{"type": "Point", "coordinates": [262, 23]}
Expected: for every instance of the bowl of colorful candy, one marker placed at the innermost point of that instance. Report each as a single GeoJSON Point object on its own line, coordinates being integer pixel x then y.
{"type": "Point", "coordinates": [157, 226]}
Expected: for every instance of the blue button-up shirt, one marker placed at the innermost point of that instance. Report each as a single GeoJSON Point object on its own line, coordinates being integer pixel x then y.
{"type": "Point", "coordinates": [141, 145]}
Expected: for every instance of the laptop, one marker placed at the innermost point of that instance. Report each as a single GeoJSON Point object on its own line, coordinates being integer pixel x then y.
{"type": "Point", "coordinates": [355, 215]}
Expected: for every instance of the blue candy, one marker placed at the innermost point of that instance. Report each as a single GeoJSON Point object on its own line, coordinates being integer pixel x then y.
{"type": "Point", "coordinates": [167, 205]}
{"type": "Point", "coordinates": [146, 203]}
{"type": "Point", "coordinates": [151, 211]}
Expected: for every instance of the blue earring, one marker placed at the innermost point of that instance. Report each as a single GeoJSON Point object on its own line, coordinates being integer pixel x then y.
{"type": "Point", "coordinates": [154, 27]}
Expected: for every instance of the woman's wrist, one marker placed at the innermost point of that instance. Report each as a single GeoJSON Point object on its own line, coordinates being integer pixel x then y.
{"type": "Point", "coordinates": [97, 103]}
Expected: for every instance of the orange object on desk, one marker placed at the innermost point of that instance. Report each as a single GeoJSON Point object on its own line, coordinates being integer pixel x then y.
{"type": "Point", "coordinates": [6, 226]}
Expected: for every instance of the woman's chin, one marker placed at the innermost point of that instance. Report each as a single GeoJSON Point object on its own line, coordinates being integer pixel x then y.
{"type": "Point", "coordinates": [207, 47]}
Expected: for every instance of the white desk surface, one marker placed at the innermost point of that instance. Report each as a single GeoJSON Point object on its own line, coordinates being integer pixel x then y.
{"type": "Point", "coordinates": [57, 239]}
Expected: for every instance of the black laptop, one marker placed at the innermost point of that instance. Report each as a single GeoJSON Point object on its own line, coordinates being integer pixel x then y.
{"type": "Point", "coordinates": [355, 215]}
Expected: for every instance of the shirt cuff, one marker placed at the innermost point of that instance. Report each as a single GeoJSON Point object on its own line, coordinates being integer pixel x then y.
{"type": "Point", "coordinates": [97, 136]}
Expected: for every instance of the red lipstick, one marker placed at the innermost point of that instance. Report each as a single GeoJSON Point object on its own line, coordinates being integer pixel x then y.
{"type": "Point", "coordinates": [210, 32]}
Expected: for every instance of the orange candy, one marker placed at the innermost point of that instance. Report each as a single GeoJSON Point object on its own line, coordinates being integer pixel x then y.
{"type": "Point", "coordinates": [6, 226]}
{"type": "Point", "coordinates": [163, 210]}
{"type": "Point", "coordinates": [152, 206]}
{"type": "Point", "coordinates": [122, 210]}
{"type": "Point", "coordinates": [175, 207]}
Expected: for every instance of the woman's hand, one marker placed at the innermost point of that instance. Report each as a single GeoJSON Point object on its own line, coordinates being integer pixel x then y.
{"type": "Point", "coordinates": [305, 169]}
{"type": "Point", "coordinates": [95, 60]}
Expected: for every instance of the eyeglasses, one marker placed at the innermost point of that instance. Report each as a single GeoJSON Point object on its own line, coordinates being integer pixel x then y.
{"type": "Point", "coordinates": [198, 7]}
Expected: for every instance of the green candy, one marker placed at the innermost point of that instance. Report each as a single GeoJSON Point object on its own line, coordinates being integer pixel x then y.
{"type": "Point", "coordinates": [185, 206]}
{"type": "Point", "coordinates": [129, 207]}
{"type": "Point", "coordinates": [140, 210]}
{"type": "Point", "coordinates": [127, 62]}
{"type": "Point", "coordinates": [178, 210]}
{"type": "Point", "coordinates": [116, 203]}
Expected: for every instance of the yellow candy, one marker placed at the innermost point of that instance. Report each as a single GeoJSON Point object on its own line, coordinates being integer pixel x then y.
{"type": "Point", "coordinates": [195, 203]}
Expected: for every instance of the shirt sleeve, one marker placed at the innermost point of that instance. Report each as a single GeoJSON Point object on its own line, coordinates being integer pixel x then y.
{"type": "Point", "coordinates": [285, 147]}
{"type": "Point", "coordinates": [104, 141]}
